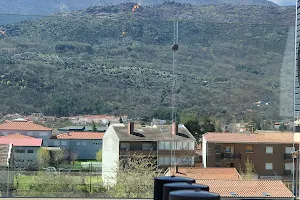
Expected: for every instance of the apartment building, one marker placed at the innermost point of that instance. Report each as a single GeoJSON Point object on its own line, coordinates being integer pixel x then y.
{"type": "Point", "coordinates": [25, 149]}
{"type": "Point", "coordinates": [269, 152]}
{"type": "Point", "coordinates": [84, 145]}
{"type": "Point", "coordinates": [26, 127]}
{"type": "Point", "coordinates": [157, 141]}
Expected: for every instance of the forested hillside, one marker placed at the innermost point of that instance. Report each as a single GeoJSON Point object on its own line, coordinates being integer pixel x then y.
{"type": "Point", "coordinates": [107, 59]}
{"type": "Point", "coordinates": [47, 7]}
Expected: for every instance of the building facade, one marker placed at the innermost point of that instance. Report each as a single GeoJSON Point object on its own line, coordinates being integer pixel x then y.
{"type": "Point", "coordinates": [25, 127]}
{"type": "Point", "coordinates": [25, 149]}
{"type": "Point", "coordinates": [121, 141]}
{"type": "Point", "coordinates": [82, 145]}
{"type": "Point", "coordinates": [269, 152]}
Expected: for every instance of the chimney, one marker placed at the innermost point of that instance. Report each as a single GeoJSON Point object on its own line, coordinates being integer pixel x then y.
{"type": "Point", "coordinates": [174, 128]}
{"type": "Point", "coordinates": [130, 127]}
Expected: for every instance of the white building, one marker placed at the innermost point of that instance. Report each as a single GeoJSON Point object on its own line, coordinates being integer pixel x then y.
{"type": "Point", "coordinates": [122, 141]}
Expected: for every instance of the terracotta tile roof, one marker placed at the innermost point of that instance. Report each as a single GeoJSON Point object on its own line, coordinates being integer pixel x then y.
{"type": "Point", "coordinates": [81, 135]}
{"type": "Point", "coordinates": [259, 137]}
{"type": "Point", "coordinates": [23, 126]}
{"type": "Point", "coordinates": [209, 173]}
{"type": "Point", "coordinates": [18, 139]}
{"type": "Point", "coordinates": [4, 154]}
{"type": "Point", "coordinates": [248, 188]}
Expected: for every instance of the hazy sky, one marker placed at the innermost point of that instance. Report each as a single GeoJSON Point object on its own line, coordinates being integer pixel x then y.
{"type": "Point", "coordinates": [284, 2]}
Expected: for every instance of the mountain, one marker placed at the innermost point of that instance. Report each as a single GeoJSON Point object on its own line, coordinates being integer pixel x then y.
{"type": "Point", "coordinates": [38, 7]}
{"type": "Point", "coordinates": [108, 59]}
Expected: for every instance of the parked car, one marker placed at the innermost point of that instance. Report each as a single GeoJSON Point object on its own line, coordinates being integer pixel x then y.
{"type": "Point", "coordinates": [50, 169]}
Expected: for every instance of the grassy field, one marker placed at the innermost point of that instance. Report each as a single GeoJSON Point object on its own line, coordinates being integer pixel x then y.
{"type": "Point", "coordinates": [24, 182]}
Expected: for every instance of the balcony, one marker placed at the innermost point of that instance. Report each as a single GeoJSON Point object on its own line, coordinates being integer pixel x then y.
{"type": "Point", "coordinates": [124, 152]}
{"type": "Point", "coordinates": [287, 156]}
{"type": "Point", "coordinates": [287, 172]}
{"type": "Point", "coordinates": [230, 156]}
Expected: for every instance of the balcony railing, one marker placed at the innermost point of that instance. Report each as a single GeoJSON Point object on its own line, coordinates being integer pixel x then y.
{"type": "Point", "coordinates": [230, 155]}
{"type": "Point", "coordinates": [287, 156]}
{"type": "Point", "coordinates": [287, 172]}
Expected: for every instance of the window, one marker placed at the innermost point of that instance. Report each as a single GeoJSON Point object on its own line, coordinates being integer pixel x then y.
{"type": "Point", "coordinates": [29, 151]}
{"type": "Point", "coordinates": [218, 148]}
{"type": "Point", "coordinates": [43, 134]}
{"type": "Point", "coordinates": [20, 151]}
{"type": "Point", "coordinates": [229, 149]}
{"type": "Point", "coordinates": [289, 150]}
{"type": "Point", "coordinates": [64, 143]}
{"type": "Point", "coordinates": [288, 166]}
{"type": "Point", "coordinates": [78, 143]}
{"type": "Point", "coordinates": [269, 150]}
{"type": "Point", "coordinates": [167, 145]}
{"type": "Point", "coordinates": [249, 148]}
{"type": "Point", "coordinates": [83, 143]}
{"type": "Point", "coordinates": [179, 145]}
{"type": "Point", "coordinates": [161, 145]}
{"type": "Point", "coordinates": [56, 142]}
{"type": "Point", "coordinates": [146, 146]}
{"type": "Point", "coordinates": [269, 166]}
{"type": "Point", "coordinates": [167, 160]}
{"type": "Point", "coordinates": [185, 145]}
{"type": "Point", "coordinates": [125, 146]}
{"type": "Point", "coordinates": [191, 145]}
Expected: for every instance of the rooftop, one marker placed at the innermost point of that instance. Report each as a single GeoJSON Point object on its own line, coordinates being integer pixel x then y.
{"type": "Point", "coordinates": [23, 125]}
{"type": "Point", "coordinates": [82, 128]}
{"type": "Point", "coordinates": [257, 137]}
{"type": "Point", "coordinates": [81, 135]}
{"type": "Point", "coordinates": [18, 139]}
{"type": "Point", "coordinates": [5, 150]}
{"type": "Point", "coordinates": [248, 188]}
{"type": "Point", "coordinates": [209, 173]}
{"type": "Point", "coordinates": [152, 133]}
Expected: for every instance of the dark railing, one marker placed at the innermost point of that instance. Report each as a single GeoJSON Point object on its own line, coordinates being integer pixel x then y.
{"type": "Point", "coordinates": [230, 155]}
{"type": "Point", "coordinates": [287, 156]}
{"type": "Point", "coordinates": [287, 172]}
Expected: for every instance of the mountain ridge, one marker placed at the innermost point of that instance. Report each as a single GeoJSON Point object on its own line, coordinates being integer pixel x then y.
{"type": "Point", "coordinates": [37, 7]}
{"type": "Point", "coordinates": [107, 59]}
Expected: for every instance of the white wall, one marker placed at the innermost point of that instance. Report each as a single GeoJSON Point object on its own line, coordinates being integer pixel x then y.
{"type": "Point", "coordinates": [204, 151]}
{"type": "Point", "coordinates": [110, 156]}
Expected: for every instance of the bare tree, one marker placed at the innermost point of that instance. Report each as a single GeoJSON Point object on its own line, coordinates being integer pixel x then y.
{"type": "Point", "coordinates": [43, 158]}
{"type": "Point", "coordinates": [59, 156]}
{"type": "Point", "coordinates": [135, 177]}
{"type": "Point", "coordinates": [249, 169]}
{"type": "Point", "coordinates": [73, 156]}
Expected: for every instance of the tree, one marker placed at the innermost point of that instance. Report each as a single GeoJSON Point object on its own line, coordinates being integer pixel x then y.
{"type": "Point", "coordinates": [282, 127]}
{"type": "Point", "coordinates": [249, 169]}
{"type": "Point", "coordinates": [73, 156]}
{"type": "Point", "coordinates": [135, 177]}
{"type": "Point", "coordinates": [207, 125]}
{"type": "Point", "coordinates": [99, 155]}
{"type": "Point", "coordinates": [94, 126]}
{"type": "Point", "coordinates": [43, 158]}
{"type": "Point", "coordinates": [191, 122]}
{"type": "Point", "coordinates": [58, 156]}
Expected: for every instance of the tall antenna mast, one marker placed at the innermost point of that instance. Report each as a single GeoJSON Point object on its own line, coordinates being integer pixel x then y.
{"type": "Point", "coordinates": [175, 48]}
